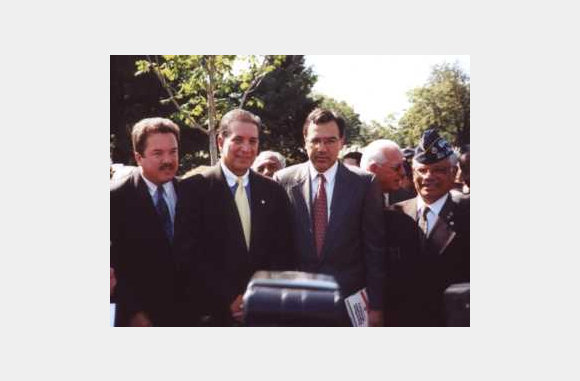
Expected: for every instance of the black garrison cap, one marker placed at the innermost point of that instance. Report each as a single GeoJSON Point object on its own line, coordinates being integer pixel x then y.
{"type": "Point", "coordinates": [432, 148]}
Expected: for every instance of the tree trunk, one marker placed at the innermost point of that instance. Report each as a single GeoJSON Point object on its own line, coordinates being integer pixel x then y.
{"type": "Point", "coordinates": [213, 152]}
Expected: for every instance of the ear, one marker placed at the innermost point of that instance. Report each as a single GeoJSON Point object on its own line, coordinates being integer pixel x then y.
{"type": "Point", "coordinates": [138, 157]}
{"type": "Point", "coordinates": [220, 142]}
{"type": "Point", "coordinates": [373, 167]}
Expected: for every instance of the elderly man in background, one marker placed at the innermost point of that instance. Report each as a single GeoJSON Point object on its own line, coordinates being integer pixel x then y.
{"type": "Point", "coordinates": [269, 162]}
{"type": "Point", "coordinates": [384, 158]}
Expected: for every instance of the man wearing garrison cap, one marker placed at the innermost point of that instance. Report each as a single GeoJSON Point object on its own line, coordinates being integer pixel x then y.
{"type": "Point", "coordinates": [427, 238]}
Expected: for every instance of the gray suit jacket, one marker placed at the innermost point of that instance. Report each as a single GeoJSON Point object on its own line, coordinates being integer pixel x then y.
{"type": "Point", "coordinates": [353, 249]}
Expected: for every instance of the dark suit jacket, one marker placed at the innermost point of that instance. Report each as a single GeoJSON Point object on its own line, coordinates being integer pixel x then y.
{"type": "Point", "coordinates": [400, 195]}
{"type": "Point", "coordinates": [209, 236]}
{"type": "Point", "coordinates": [141, 255]}
{"type": "Point", "coordinates": [353, 249]}
{"type": "Point", "coordinates": [418, 274]}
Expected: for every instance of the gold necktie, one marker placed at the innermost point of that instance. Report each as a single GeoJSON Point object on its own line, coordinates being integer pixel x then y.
{"type": "Point", "coordinates": [243, 210]}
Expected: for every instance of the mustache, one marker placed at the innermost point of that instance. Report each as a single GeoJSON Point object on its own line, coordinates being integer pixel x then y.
{"type": "Point", "coordinates": [165, 166]}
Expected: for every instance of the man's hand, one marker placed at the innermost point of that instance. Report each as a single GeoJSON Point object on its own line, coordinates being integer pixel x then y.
{"type": "Point", "coordinates": [140, 320]}
{"type": "Point", "coordinates": [375, 318]}
{"type": "Point", "coordinates": [113, 281]}
{"type": "Point", "coordinates": [237, 308]}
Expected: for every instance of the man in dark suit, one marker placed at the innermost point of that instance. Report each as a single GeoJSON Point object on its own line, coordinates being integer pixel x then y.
{"type": "Point", "coordinates": [232, 222]}
{"type": "Point", "coordinates": [337, 217]}
{"type": "Point", "coordinates": [142, 215]}
{"type": "Point", "coordinates": [428, 239]}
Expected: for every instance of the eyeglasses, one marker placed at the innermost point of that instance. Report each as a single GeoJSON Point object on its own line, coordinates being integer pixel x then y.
{"type": "Point", "coordinates": [325, 141]}
{"type": "Point", "coordinates": [395, 168]}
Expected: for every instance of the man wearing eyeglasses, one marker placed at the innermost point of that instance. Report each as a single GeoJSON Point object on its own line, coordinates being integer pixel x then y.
{"type": "Point", "coordinates": [383, 157]}
{"type": "Point", "coordinates": [337, 218]}
{"type": "Point", "coordinates": [430, 237]}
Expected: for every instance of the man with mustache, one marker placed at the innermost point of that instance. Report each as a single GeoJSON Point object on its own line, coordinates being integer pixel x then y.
{"type": "Point", "coordinates": [142, 215]}
{"type": "Point", "coordinates": [428, 238]}
{"type": "Point", "coordinates": [338, 224]}
{"type": "Point", "coordinates": [231, 222]}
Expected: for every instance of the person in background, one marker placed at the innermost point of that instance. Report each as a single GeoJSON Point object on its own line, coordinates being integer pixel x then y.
{"type": "Point", "coordinates": [464, 169]}
{"type": "Point", "coordinates": [384, 158]}
{"type": "Point", "coordinates": [269, 162]}
{"type": "Point", "coordinates": [352, 158]}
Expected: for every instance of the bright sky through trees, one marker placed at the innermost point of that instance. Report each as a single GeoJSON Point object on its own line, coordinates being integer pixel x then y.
{"type": "Point", "coordinates": [376, 86]}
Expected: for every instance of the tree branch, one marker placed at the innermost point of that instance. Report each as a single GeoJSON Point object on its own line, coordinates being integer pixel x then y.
{"type": "Point", "coordinates": [255, 82]}
{"type": "Point", "coordinates": [192, 123]}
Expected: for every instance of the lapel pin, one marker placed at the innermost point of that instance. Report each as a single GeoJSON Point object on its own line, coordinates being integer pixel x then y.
{"type": "Point", "coordinates": [263, 202]}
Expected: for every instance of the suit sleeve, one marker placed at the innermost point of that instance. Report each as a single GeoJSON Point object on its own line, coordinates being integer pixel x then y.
{"type": "Point", "coordinates": [205, 282]}
{"type": "Point", "coordinates": [124, 295]}
{"type": "Point", "coordinates": [287, 260]}
{"type": "Point", "coordinates": [373, 233]}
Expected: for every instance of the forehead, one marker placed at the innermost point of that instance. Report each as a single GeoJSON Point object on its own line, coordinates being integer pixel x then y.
{"type": "Point", "coordinates": [271, 160]}
{"type": "Point", "coordinates": [269, 163]}
{"type": "Point", "coordinates": [243, 129]}
{"type": "Point", "coordinates": [444, 163]}
{"type": "Point", "coordinates": [393, 155]}
{"type": "Point", "coordinates": [323, 130]}
{"type": "Point", "coordinates": [160, 140]}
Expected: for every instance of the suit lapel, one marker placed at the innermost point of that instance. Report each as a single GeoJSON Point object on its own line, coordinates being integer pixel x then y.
{"type": "Point", "coordinates": [442, 233]}
{"type": "Point", "coordinates": [257, 204]}
{"type": "Point", "coordinates": [301, 191]}
{"type": "Point", "coordinates": [146, 201]}
{"type": "Point", "coordinates": [301, 198]}
{"type": "Point", "coordinates": [301, 194]}
{"type": "Point", "coordinates": [410, 208]}
{"type": "Point", "coordinates": [225, 198]}
{"type": "Point", "coordinates": [338, 206]}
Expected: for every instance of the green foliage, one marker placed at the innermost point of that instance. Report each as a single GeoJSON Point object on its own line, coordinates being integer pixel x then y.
{"type": "Point", "coordinates": [282, 101]}
{"type": "Point", "coordinates": [375, 130]}
{"type": "Point", "coordinates": [202, 88]}
{"type": "Point", "coordinates": [352, 119]}
{"type": "Point", "coordinates": [444, 102]}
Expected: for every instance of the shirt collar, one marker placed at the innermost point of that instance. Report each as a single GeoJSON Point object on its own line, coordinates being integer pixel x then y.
{"type": "Point", "coordinates": [232, 178]}
{"type": "Point", "coordinates": [167, 187]}
{"type": "Point", "coordinates": [434, 207]}
{"type": "Point", "coordinates": [386, 197]}
{"type": "Point", "coordinates": [329, 175]}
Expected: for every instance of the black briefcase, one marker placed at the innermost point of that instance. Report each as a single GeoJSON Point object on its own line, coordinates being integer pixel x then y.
{"type": "Point", "coordinates": [291, 298]}
{"type": "Point", "coordinates": [456, 299]}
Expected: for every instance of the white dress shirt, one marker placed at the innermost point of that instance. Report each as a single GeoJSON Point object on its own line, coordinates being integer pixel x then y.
{"type": "Point", "coordinates": [330, 176]}
{"type": "Point", "coordinates": [434, 210]}
{"type": "Point", "coordinates": [169, 195]}
{"type": "Point", "coordinates": [232, 178]}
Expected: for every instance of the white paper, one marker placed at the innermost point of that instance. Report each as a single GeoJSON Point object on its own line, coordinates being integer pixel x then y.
{"type": "Point", "coordinates": [113, 314]}
{"type": "Point", "coordinates": [357, 306]}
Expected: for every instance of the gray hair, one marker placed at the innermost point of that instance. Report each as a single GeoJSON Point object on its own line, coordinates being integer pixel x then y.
{"type": "Point", "coordinates": [452, 159]}
{"type": "Point", "coordinates": [375, 152]}
{"type": "Point", "coordinates": [266, 154]}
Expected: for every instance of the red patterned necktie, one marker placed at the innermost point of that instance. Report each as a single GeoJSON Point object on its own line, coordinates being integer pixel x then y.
{"type": "Point", "coordinates": [320, 214]}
